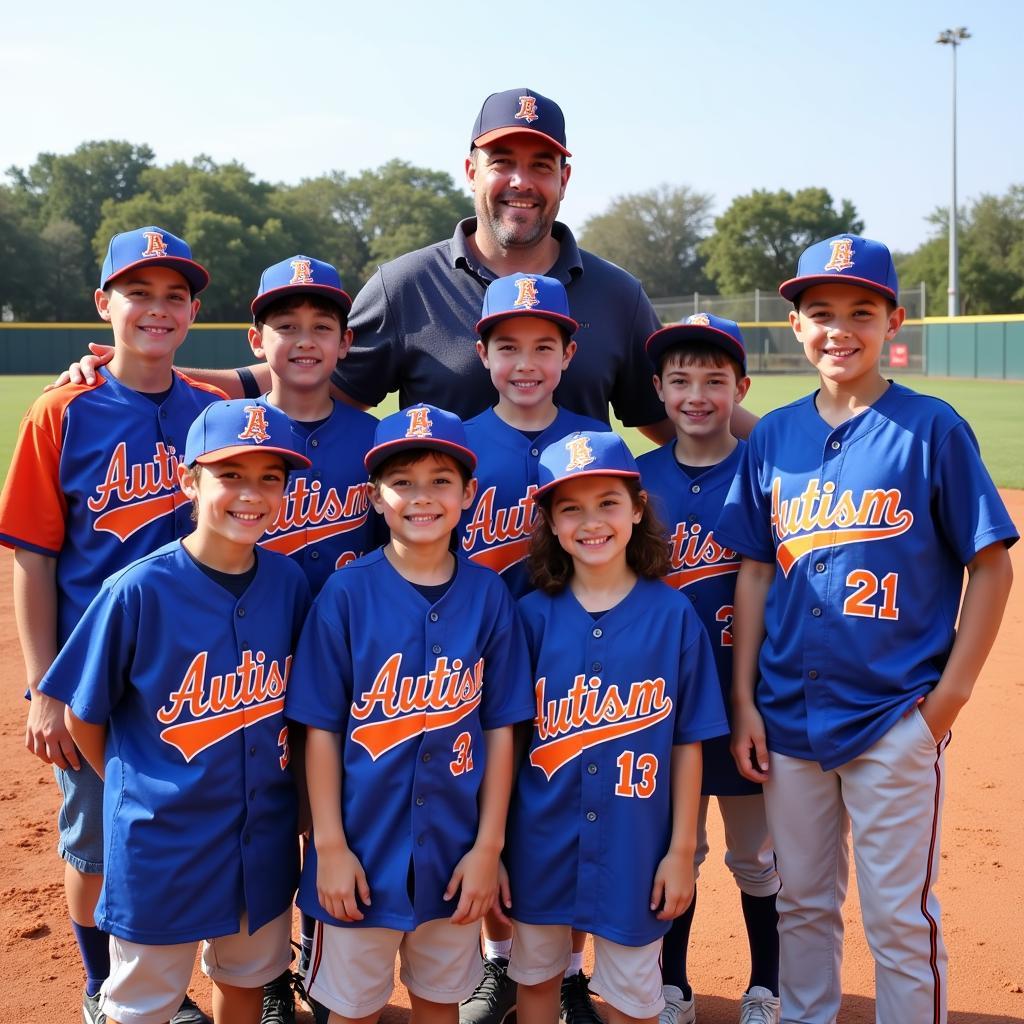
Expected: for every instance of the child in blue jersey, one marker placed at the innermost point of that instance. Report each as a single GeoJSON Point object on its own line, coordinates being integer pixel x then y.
{"type": "Point", "coordinates": [300, 327]}
{"type": "Point", "coordinates": [701, 375]}
{"type": "Point", "coordinates": [410, 674]}
{"type": "Point", "coordinates": [603, 822]}
{"type": "Point", "coordinates": [93, 486]}
{"type": "Point", "coordinates": [525, 341]}
{"type": "Point", "coordinates": [856, 510]}
{"type": "Point", "coordinates": [175, 680]}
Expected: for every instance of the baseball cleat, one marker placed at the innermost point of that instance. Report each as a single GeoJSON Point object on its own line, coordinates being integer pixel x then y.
{"type": "Point", "coordinates": [494, 998]}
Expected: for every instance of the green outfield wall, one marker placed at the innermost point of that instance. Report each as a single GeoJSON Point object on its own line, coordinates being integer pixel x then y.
{"type": "Point", "coordinates": [986, 347]}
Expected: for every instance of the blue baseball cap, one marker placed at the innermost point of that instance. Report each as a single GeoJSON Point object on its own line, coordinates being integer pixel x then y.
{"type": "Point", "coordinates": [238, 426]}
{"type": "Point", "coordinates": [525, 295]}
{"type": "Point", "coordinates": [158, 248]}
{"type": "Point", "coordinates": [715, 330]}
{"type": "Point", "coordinates": [300, 275]}
{"type": "Point", "coordinates": [846, 258]}
{"type": "Point", "coordinates": [584, 453]}
{"type": "Point", "coordinates": [420, 426]}
{"type": "Point", "coordinates": [515, 111]}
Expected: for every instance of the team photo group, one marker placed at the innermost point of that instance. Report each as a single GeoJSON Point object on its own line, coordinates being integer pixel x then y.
{"type": "Point", "coordinates": [459, 683]}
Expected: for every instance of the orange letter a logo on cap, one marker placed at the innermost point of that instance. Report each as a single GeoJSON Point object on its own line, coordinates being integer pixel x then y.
{"type": "Point", "coordinates": [155, 244]}
{"type": "Point", "coordinates": [419, 422]}
{"type": "Point", "coordinates": [302, 272]}
{"type": "Point", "coordinates": [527, 109]}
{"type": "Point", "coordinates": [580, 455]}
{"type": "Point", "coordinates": [527, 296]}
{"type": "Point", "coordinates": [842, 255]}
{"type": "Point", "coordinates": [255, 428]}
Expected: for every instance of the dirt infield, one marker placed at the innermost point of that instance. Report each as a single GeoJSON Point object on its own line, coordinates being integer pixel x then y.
{"type": "Point", "coordinates": [981, 884]}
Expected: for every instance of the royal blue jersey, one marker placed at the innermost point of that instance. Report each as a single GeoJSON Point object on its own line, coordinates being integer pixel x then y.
{"type": "Point", "coordinates": [705, 572]}
{"type": "Point", "coordinates": [411, 687]}
{"type": "Point", "coordinates": [326, 519]}
{"type": "Point", "coordinates": [199, 808]}
{"type": "Point", "coordinates": [591, 813]}
{"type": "Point", "coordinates": [869, 526]}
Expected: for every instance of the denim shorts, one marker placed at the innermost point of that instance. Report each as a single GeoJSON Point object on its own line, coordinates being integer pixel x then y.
{"type": "Point", "coordinates": [80, 819]}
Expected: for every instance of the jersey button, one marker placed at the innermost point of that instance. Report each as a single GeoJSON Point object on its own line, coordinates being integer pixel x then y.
{"type": "Point", "coordinates": [816, 612]}
{"type": "Point", "coordinates": [596, 667]}
{"type": "Point", "coordinates": [420, 840]}
{"type": "Point", "coordinates": [241, 613]}
{"type": "Point", "coordinates": [591, 815]}
{"type": "Point", "coordinates": [598, 632]}
{"type": "Point", "coordinates": [820, 567]}
{"type": "Point", "coordinates": [314, 443]}
{"type": "Point", "coordinates": [248, 839]}
{"type": "Point", "coordinates": [426, 757]}
{"type": "Point", "coordinates": [434, 616]}
{"type": "Point", "coordinates": [314, 555]}
{"type": "Point", "coordinates": [591, 768]}
{"type": "Point", "coordinates": [535, 452]}
{"type": "Point", "coordinates": [691, 519]}
{"type": "Point", "coordinates": [695, 489]}
{"type": "Point", "coordinates": [436, 648]}
{"type": "Point", "coordinates": [813, 674]}
{"type": "Point", "coordinates": [420, 801]}
{"type": "Point", "coordinates": [252, 751]}
{"type": "Point", "coordinates": [836, 446]}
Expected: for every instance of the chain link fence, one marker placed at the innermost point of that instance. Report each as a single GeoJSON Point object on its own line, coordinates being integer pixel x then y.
{"type": "Point", "coordinates": [771, 347]}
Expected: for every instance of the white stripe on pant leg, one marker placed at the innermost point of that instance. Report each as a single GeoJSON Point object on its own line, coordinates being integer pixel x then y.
{"type": "Point", "coordinates": [809, 826]}
{"type": "Point", "coordinates": [894, 796]}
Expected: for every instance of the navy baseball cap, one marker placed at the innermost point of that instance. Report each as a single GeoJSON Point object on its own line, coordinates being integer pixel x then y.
{"type": "Point", "coordinates": [525, 295]}
{"type": "Point", "coordinates": [158, 248]}
{"type": "Point", "coordinates": [847, 258]}
{"type": "Point", "coordinates": [519, 110]}
{"type": "Point", "coordinates": [420, 426]}
{"type": "Point", "coordinates": [584, 453]}
{"type": "Point", "coordinates": [715, 330]}
{"type": "Point", "coordinates": [238, 426]}
{"type": "Point", "coordinates": [300, 275]}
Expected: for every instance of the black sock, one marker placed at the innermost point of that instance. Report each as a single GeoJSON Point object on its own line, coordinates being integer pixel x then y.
{"type": "Point", "coordinates": [94, 947]}
{"type": "Point", "coordinates": [762, 921]}
{"type": "Point", "coordinates": [673, 950]}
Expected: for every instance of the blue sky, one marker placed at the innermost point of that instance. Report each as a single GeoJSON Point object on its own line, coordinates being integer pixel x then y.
{"type": "Point", "coordinates": [723, 97]}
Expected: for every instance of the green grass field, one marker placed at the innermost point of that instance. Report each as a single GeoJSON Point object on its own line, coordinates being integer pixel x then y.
{"type": "Point", "coordinates": [995, 409]}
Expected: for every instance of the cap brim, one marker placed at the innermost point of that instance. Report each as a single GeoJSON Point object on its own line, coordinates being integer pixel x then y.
{"type": "Point", "coordinates": [376, 455]}
{"type": "Point", "coordinates": [675, 334]}
{"type": "Point", "coordinates": [795, 285]}
{"type": "Point", "coordinates": [556, 318]}
{"type": "Point", "coordinates": [499, 133]}
{"type": "Point", "coordinates": [627, 474]}
{"type": "Point", "coordinates": [293, 459]}
{"type": "Point", "coordinates": [336, 295]}
{"type": "Point", "coordinates": [196, 275]}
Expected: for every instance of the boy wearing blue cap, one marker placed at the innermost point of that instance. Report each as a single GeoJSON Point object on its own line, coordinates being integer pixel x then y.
{"type": "Point", "coordinates": [856, 511]}
{"type": "Point", "coordinates": [701, 375]}
{"type": "Point", "coordinates": [174, 681]}
{"type": "Point", "coordinates": [409, 738]}
{"type": "Point", "coordinates": [300, 327]}
{"type": "Point", "coordinates": [525, 342]}
{"type": "Point", "coordinates": [93, 486]}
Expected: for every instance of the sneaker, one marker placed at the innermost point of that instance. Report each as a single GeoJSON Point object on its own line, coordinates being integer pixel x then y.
{"type": "Point", "coordinates": [495, 997]}
{"type": "Point", "coordinates": [91, 1012]}
{"type": "Point", "coordinates": [677, 1009]}
{"type": "Point", "coordinates": [189, 1013]}
{"type": "Point", "coordinates": [279, 1000]}
{"type": "Point", "coordinates": [759, 1006]}
{"type": "Point", "coordinates": [576, 1005]}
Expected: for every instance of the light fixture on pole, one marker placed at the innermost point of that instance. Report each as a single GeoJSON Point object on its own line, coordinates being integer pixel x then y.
{"type": "Point", "coordinates": [953, 37]}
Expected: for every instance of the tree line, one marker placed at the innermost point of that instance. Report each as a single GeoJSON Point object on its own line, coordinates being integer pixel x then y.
{"type": "Point", "coordinates": [57, 216]}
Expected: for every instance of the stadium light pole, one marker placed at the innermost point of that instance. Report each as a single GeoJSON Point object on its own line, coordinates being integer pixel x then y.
{"type": "Point", "coordinates": [953, 37]}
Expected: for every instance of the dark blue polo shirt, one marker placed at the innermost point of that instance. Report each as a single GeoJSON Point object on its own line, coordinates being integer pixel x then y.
{"type": "Point", "coordinates": [414, 324]}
